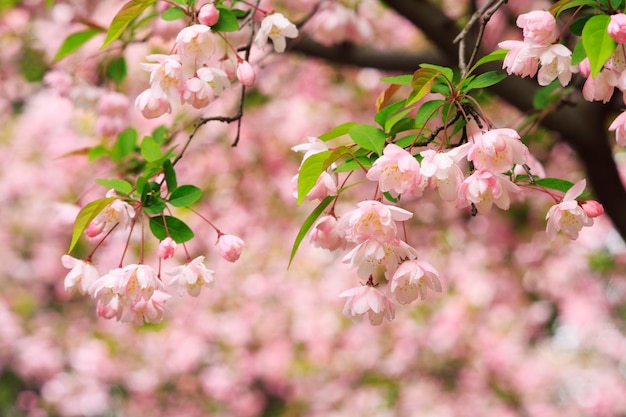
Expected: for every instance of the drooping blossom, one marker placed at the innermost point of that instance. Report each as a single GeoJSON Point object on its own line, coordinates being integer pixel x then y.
{"type": "Point", "coordinates": [151, 310]}
{"type": "Point", "coordinates": [151, 105]}
{"type": "Point", "coordinates": [497, 150]}
{"type": "Point", "coordinates": [397, 172]}
{"type": "Point", "coordinates": [275, 27]}
{"type": "Point", "coordinates": [167, 247]}
{"type": "Point", "coordinates": [375, 258]}
{"type": "Point", "coordinates": [568, 216]}
{"type": "Point", "coordinates": [443, 171]}
{"type": "Point", "coordinates": [191, 277]}
{"type": "Point", "coordinates": [166, 78]}
{"type": "Point", "coordinates": [366, 299]}
{"type": "Point", "coordinates": [315, 145]}
{"type": "Point", "coordinates": [326, 185]}
{"type": "Point", "coordinates": [619, 126]}
{"type": "Point", "coordinates": [484, 188]}
{"type": "Point", "coordinates": [215, 77]}
{"type": "Point", "coordinates": [556, 62]}
{"type": "Point", "coordinates": [195, 45]}
{"type": "Point", "coordinates": [208, 14]}
{"type": "Point", "coordinates": [138, 281]}
{"type": "Point", "coordinates": [521, 59]}
{"type": "Point", "coordinates": [82, 274]}
{"type": "Point", "coordinates": [197, 93]}
{"type": "Point", "coordinates": [245, 73]}
{"type": "Point", "coordinates": [118, 212]}
{"type": "Point", "coordinates": [372, 220]}
{"type": "Point", "coordinates": [230, 247]}
{"type": "Point", "coordinates": [411, 280]}
{"type": "Point", "coordinates": [538, 26]}
{"type": "Point", "coordinates": [617, 27]}
{"type": "Point", "coordinates": [325, 234]}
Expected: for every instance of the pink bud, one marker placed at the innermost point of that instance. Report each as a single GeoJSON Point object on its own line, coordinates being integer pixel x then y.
{"type": "Point", "coordinates": [94, 229]}
{"type": "Point", "coordinates": [230, 247]}
{"type": "Point", "coordinates": [208, 14]}
{"type": "Point", "coordinates": [245, 73]}
{"type": "Point", "coordinates": [584, 67]}
{"type": "Point", "coordinates": [167, 248]}
{"type": "Point", "coordinates": [617, 27]}
{"type": "Point", "coordinates": [592, 208]}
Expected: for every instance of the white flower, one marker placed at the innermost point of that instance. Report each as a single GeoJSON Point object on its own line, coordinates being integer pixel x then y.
{"type": "Point", "coordinates": [366, 299]}
{"type": "Point", "coordinates": [568, 216]}
{"type": "Point", "coordinates": [191, 277]}
{"type": "Point", "coordinates": [411, 280]}
{"type": "Point", "coordinates": [277, 27]}
{"type": "Point", "coordinates": [81, 276]}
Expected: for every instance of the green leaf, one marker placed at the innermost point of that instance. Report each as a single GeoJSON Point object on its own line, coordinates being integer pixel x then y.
{"type": "Point", "coordinates": [497, 55]}
{"type": "Point", "coordinates": [125, 144]}
{"type": "Point", "coordinates": [398, 79]}
{"type": "Point", "coordinates": [387, 111]}
{"type": "Point", "coordinates": [405, 141]}
{"type": "Point", "coordinates": [311, 169]}
{"type": "Point", "coordinates": [150, 149]}
{"type": "Point", "coordinates": [160, 134]}
{"type": "Point", "coordinates": [555, 184]}
{"type": "Point", "coordinates": [75, 41]}
{"type": "Point", "coordinates": [577, 27]}
{"type": "Point", "coordinates": [97, 152]}
{"type": "Point", "coordinates": [340, 130]}
{"type": "Point", "coordinates": [227, 22]}
{"type": "Point", "coordinates": [351, 164]}
{"type": "Point", "coordinates": [140, 185]}
{"type": "Point", "coordinates": [579, 53]}
{"type": "Point", "coordinates": [445, 71]}
{"type": "Point", "coordinates": [185, 196]}
{"type": "Point", "coordinates": [308, 223]}
{"type": "Point", "coordinates": [368, 137]}
{"type": "Point", "coordinates": [598, 45]}
{"type": "Point", "coordinates": [396, 118]}
{"type": "Point", "coordinates": [563, 5]}
{"type": "Point", "coordinates": [119, 185]}
{"type": "Point", "coordinates": [116, 70]}
{"type": "Point", "coordinates": [485, 80]}
{"type": "Point", "coordinates": [127, 13]}
{"type": "Point", "coordinates": [177, 229]}
{"type": "Point", "coordinates": [544, 97]}
{"type": "Point", "coordinates": [85, 216]}
{"type": "Point", "coordinates": [422, 82]}
{"type": "Point", "coordinates": [427, 111]}
{"type": "Point", "coordinates": [173, 13]}
{"type": "Point", "coordinates": [156, 205]}
{"type": "Point", "coordinates": [170, 175]}
{"type": "Point", "coordinates": [390, 197]}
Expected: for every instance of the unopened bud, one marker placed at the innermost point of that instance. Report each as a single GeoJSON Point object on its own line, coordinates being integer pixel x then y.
{"type": "Point", "coordinates": [230, 247]}
{"type": "Point", "coordinates": [167, 247]}
{"type": "Point", "coordinates": [245, 73]}
{"type": "Point", "coordinates": [592, 208]}
{"type": "Point", "coordinates": [208, 14]}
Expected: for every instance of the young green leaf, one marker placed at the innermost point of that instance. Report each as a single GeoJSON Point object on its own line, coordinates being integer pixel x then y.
{"type": "Point", "coordinates": [578, 54]}
{"type": "Point", "coordinates": [125, 144]}
{"type": "Point", "coordinates": [306, 226]}
{"type": "Point", "coordinates": [227, 22]}
{"type": "Point", "coordinates": [422, 82]}
{"type": "Point", "coordinates": [387, 111]}
{"type": "Point", "coordinates": [96, 152]}
{"type": "Point", "coordinates": [485, 80]}
{"type": "Point", "coordinates": [150, 149]}
{"type": "Point", "coordinates": [311, 169]}
{"type": "Point", "coordinates": [185, 196]}
{"type": "Point", "coordinates": [398, 79]}
{"type": "Point", "coordinates": [340, 130]}
{"type": "Point", "coordinates": [554, 184]}
{"type": "Point", "coordinates": [445, 71]}
{"type": "Point", "coordinates": [598, 45]}
{"type": "Point", "coordinates": [86, 216]}
{"type": "Point", "coordinates": [177, 229]}
{"type": "Point", "coordinates": [427, 111]}
{"type": "Point", "coordinates": [116, 70]}
{"type": "Point", "coordinates": [563, 5]}
{"type": "Point", "coordinates": [173, 13]}
{"type": "Point", "coordinates": [127, 13]}
{"type": "Point", "coordinates": [368, 137]}
{"type": "Point", "coordinates": [351, 164]}
{"type": "Point", "coordinates": [75, 41]}
{"type": "Point", "coordinates": [119, 185]}
{"type": "Point", "coordinates": [497, 55]}
{"type": "Point", "coordinates": [170, 175]}
{"type": "Point", "coordinates": [155, 205]}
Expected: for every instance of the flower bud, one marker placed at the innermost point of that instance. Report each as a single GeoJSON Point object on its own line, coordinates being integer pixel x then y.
{"type": "Point", "coordinates": [245, 73]}
{"type": "Point", "coordinates": [167, 247]}
{"type": "Point", "coordinates": [617, 27]}
{"type": "Point", "coordinates": [230, 247]}
{"type": "Point", "coordinates": [592, 208]}
{"type": "Point", "coordinates": [208, 14]}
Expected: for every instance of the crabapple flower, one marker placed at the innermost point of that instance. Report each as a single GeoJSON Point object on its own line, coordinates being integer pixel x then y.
{"type": "Point", "coordinates": [397, 172]}
{"type": "Point", "coordinates": [230, 247]}
{"type": "Point", "coordinates": [325, 234]}
{"type": "Point", "coordinates": [208, 14]}
{"type": "Point", "coordinates": [197, 92]}
{"type": "Point", "coordinates": [112, 113]}
{"type": "Point", "coordinates": [521, 59]}
{"type": "Point", "coordinates": [484, 188]}
{"type": "Point", "coordinates": [151, 105]}
{"type": "Point", "coordinates": [602, 86]}
{"type": "Point", "coordinates": [167, 247]}
{"type": "Point", "coordinates": [497, 150]}
{"type": "Point", "coordinates": [195, 44]}
{"type": "Point", "coordinates": [568, 216]}
{"type": "Point", "coordinates": [617, 27]}
{"type": "Point", "coordinates": [539, 27]}
{"type": "Point", "coordinates": [411, 280]}
{"type": "Point", "coordinates": [138, 281]}
{"type": "Point", "coordinates": [368, 300]}
{"type": "Point", "coordinates": [314, 146]}
{"type": "Point", "coordinates": [165, 75]}
{"type": "Point", "coordinates": [556, 62]}
{"type": "Point", "coordinates": [374, 258]}
{"type": "Point", "coordinates": [82, 274]}
{"type": "Point", "coordinates": [151, 310]}
{"type": "Point", "coordinates": [117, 212]}
{"type": "Point", "coordinates": [325, 186]}
{"type": "Point", "coordinates": [107, 287]}
{"type": "Point", "coordinates": [372, 220]}
{"type": "Point", "coordinates": [619, 126]}
{"type": "Point", "coordinates": [245, 73]}
{"type": "Point", "coordinates": [215, 77]}
{"type": "Point", "coordinates": [443, 171]}
{"type": "Point", "coordinates": [191, 277]}
{"type": "Point", "coordinates": [276, 27]}
{"type": "Point", "coordinates": [592, 208]}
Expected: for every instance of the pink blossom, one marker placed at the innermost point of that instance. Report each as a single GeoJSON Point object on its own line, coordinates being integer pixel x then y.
{"type": "Point", "coordinates": [601, 87]}
{"type": "Point", "coordinates": [372, 220]}
{"type": "Point", "coordinates": [325, 234]}
{"type": "Point", "coordinates": [592, 208]}
{"type": "Point", "coordinates": [497, 150]}
{"type": "Point", "coordinates": [195, 45]}
{"type": "Point", "coordinates": [442, 170]}
{"type": "Point", "coordinates": [208, 14]}
{"type": "Point", "coordinates": [167, 247]}
{"type": "Point", "coordinates": [411, 280]}
{"type": "Point", "coordinates": [107, 287]}
{"type": "Point", "coordinates": [118, 212]}
{"type": "Point", "coordinates": [619, 126]}
{"type": "Point", "coordinates": [197, 93]}
{"type": "Point", "coordinates": [568, 216]}
{"type": "Point", "coordinates": [276, 27]}
{"type": "Point", "coordinates": [81, 276]}
{"type": "Point", "coordinates": [191, 277]}
{"type": "Point", "coordinates": [522, 58]}
{"type": "Point", "coordinates": [112, 112]}
{"type": "Point", "coordinates": [245, 73]}
{"type": "Point", "coordinates": [556, 62]}
{"type": "Point", "coordinates": [138, 281]}
{"type": "Point", "coordinates": [375, 258]}
{"type": "Point", "coordinates": [484, 188]}
{"type": "Point", "coordinates": [230, 247]}
{"type": "Point", "coordinates": [539, 27]}
{"type": "Point", "coordinates": [151, 105]}
{"type": "Point", "coordinates": [617, 27]}
{"type": "Point", "coordinates": [166, 78]}
{"type": "Point", "coordinates": [150, 310]}
{"type": "Point", "coordinates": [367, 300]}
{"type": "Point", "coordinates": [335, 23]}
{"type": "Point", "coordinates": [325, 186]}
{"type": "Point", "coordinates": [216, 78]}
{"type": "Point", "coordinates": [397, 171]}
{"type": "Point", "coordinates": [315, 145]}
